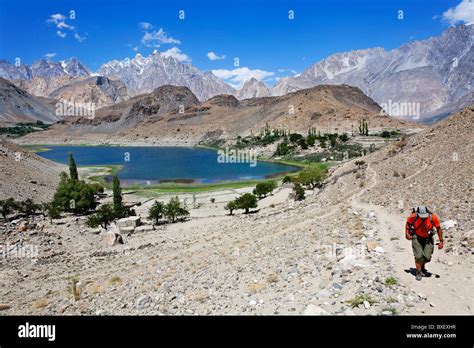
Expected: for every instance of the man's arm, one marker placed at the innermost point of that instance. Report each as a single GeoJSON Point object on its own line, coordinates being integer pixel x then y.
{"type": "Point", "coordinates": [439, 230]}
{"type": "Point", "coordinates": [408, 228]}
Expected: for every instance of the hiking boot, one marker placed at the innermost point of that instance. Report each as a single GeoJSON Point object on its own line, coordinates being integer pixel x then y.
{"type": "Point", "coordinates": [425, 272]}
{"type": "Point", "coordinates": [418, 275]}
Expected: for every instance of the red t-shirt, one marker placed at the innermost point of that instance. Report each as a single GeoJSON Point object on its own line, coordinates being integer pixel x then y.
{"type": "Point", "coordinates": [422, 227]}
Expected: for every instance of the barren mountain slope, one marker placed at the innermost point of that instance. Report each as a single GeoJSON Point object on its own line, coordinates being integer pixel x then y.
{"type": "Point", "coordinates": [173, 115]}
{"type": "Point", "coordinates": [434, 167]}
{"type": "Point", "coordinates": [26, 175]}
{"type": "Point", "coordinates": [99, 90]}
{"type": "Point", "coordinates": [16, 105]}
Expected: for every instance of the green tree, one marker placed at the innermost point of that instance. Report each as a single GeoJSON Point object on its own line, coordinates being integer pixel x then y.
{"type": "Point", "coordinates": [295, 137]}
{"type": "Point", "coordinates": [344, 137]}
{"type": "Point", "coordinates": [287, 179]}
{"type": "Point", "coordinates": [119, 209]}
{"type": "Point", "coordinates": [156, 212]}
{"type": "Point", "coordinates": [264, 188]}
{"type": "Point", "coordinates": [174, 210]}
{"type": "Point", "coordinates": [246, 202]}
{"type": "Point", "coordinates": [97, 188]}
{"type": "Point", "coordinates": [311, 176]}
{"type": "Point", "coordinates": [298, 192]}
{"type": "Point", "coordinates": [72, 168]}
{"type": "Point", "coordinates": [103, 217]}
{"type": "Point", "coordinates": [311, 140]}
{"type": "Point", "coordinates": [75, 196]}
{"type": "Point", "coordinates": [230, 206]}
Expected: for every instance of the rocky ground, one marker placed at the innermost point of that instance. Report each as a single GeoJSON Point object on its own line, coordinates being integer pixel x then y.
{"type": "Point", "coordinates": [340, 251]}
{"type": "Point", "coordinates": [25, 175]}
{"type": "Point", "coordinates": [288, 258]}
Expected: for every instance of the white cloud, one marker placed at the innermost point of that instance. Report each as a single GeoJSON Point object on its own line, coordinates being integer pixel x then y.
{"type": "Point", "coordinates": [213, 56]}
{"type": "Point", "coordinates": [49, 55]}
{"type": "Point", "coordinates": [155, 38]}
{"type": "Point", "coordinates": [60, 21]}
{"type": "Point", "coordinates": [79, 37]}
{"type": "Point", "coordinates": [145, 25]}
{"type": "Point", "coordinates": [287, 71]}
{"type": "Point", "coordinates": [176, 53]}
{"type": "Point", "coordinates": [237, 77]}
{"type": "Point", "coordinates": [56, 18]}
{"type": "Point", "coordinates": [63, 25]}
{"type": "Point", "coordinates": [462, 13]}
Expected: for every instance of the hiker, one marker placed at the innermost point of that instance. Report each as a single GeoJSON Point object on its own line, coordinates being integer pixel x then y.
{"type": "Point", "coordinates": [420, 229]}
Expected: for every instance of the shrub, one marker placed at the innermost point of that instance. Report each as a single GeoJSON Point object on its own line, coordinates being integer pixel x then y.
{"type": "Point", "coordinates": [103, 216]}
{"type": "Point", "coordinates": [359, 300]}
{"type": "Point", "coordinates": [344, 137]}
{"type": "Point", "coordinates": [231, 206]}
{"type": "Point", "coordinates": [156, 212]}
{"type": "Point", "coordinates": [246, 202]}
{"type": "Point", "coordinates": [359, 163]}
{"type": "Point", "coordinates": [213, 200]}
{"type": "Point", "coordinates": [28, 207]}
{"type": "Point", "coordinates": [287, 179]}
{"type": "Point", "coordinates": [52, 211]}
{"type": "Point", "coordinates": [7, 207]}
{"type": "Point", "coordinates": [73, 287]}
{"type": "Point", "coordinates": [298, 192]}
{"type": "Point", "coordinates": [391, 281]}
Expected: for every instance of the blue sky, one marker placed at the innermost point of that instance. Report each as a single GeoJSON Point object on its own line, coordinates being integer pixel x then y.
{"type": "Point", "coordinates": [259, 33]}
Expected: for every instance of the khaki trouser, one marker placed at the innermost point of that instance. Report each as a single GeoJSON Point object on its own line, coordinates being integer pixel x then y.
{"type": "Point", "coordinates": [422, 248]}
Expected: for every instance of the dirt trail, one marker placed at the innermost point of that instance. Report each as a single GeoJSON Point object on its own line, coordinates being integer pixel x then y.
{"type": "Point", "coordinates": [448, 290]}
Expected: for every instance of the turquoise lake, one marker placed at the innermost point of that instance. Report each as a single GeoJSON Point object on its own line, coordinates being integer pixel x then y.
{"type": "Point", "coordinates": [151, 165]}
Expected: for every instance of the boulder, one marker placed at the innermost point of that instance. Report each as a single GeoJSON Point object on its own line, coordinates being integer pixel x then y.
{"type": "Point", "coordinates": [314, 310]}
{"type": "Point", "coordinates": [131, 221]}
{"type": "Point", "coordinates": [324, 293]}
{"type": "Point", "coordinates": [144, 228]}
{"type": "Point", "coordinates": [112, 239]}
{"type": "Point", "coordinates": [23, 226]}
{"type": "Point", "coordinates": [446, 225]}
{"type": "Point", "coordinates": [371, 245]}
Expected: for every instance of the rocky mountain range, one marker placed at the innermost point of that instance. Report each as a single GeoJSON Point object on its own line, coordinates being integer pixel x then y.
{"type": "Point", "coordinates": [435, 76]}
{"type": "Point", "coordinates": [144, 74]}
{"type": "Point", "coordinates": [253, 88]}
{"type": "Point", "coordinates": [43, 68]}
{"type": "Point", "coordinates": [437, 73]}
{"type": "Point", "coordinates": [174, 115]}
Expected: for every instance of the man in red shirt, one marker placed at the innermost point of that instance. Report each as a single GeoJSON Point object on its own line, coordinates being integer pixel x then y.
{"type": "Point", "coordinates": [420, 229]}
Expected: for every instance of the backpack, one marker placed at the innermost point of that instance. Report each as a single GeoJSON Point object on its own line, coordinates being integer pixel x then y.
{"type": "Point", "coordinates": [412, 226]}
